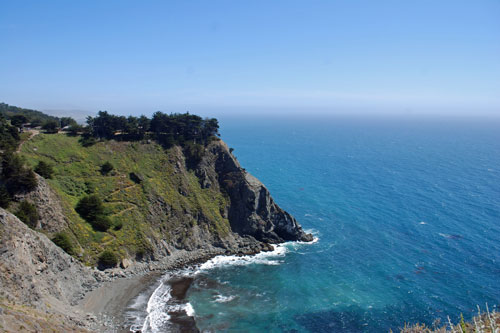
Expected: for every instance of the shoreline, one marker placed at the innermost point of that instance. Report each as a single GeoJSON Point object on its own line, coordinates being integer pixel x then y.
{"type": "Point", "coordinates": [109, 301]}
{"type": "Point", "coordinates": [112, 299]}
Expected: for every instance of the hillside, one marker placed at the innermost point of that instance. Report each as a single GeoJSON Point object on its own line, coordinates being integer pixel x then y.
{"type": "Point", "coordinates": [155, 202]}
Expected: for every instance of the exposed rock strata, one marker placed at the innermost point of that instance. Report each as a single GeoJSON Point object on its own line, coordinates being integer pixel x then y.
{"type": "Point", "coordinates": [37, 273]}
{"type": "Point", "coordinates": [252, 211]}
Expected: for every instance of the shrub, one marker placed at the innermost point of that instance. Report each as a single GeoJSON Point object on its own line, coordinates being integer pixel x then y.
{"type": "Point", "coordinates": [118, 225]}
{"type": "Point", "coordinates": [64, 242]}
{"type": "Point", "coordinates": [90, 207]}
{"type": "Point", "coordinates": [44, 169]}
{"type": "Point", "coordinates": [107, 259]}
{"type": "Point", "coordinates": [92, 210]}
{"type": "Point", "coordinates": [27, 213]}
{"type": "Point", "coordinates": [101, 223]}
{"type": "Point", "coordinates": [106, 168]}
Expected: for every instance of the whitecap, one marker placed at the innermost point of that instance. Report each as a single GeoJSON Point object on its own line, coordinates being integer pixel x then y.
{"type": "Point", "coordinates": [157, 309]}
{"type": "Point", "coordinates": [423, 222]}
{"type": "Point", "coordinates": [263, 258]}
{"type": "Point", "coordinates": [223, 299]}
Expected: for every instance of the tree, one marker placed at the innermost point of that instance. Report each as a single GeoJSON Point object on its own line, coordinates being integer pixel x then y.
{"type": "Point", "coordinates": [51, 127]}
{"type": "Point", "coordinates": [18, 120]}
{"type": "Point", "coordinates": [16, 176]}
{"type": "Point", "coordinates": [67, 121]}
{"type": "Point", "coordinates": [9, 135]}
{"type": "Point", "coordinates": [27, 213]}
{"type": "Point", "coordinates": [106, 168]}
{"type": "Point", "coordinates": [44, 169]}
{"type": "Point", "coordinates": [75, 129]}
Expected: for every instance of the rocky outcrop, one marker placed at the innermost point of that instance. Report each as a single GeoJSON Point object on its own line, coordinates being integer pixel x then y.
{"type": "Point", "coordinates": [48, 205]}
{"type": "Point", "coordinates": [37, 273]}
{"type": "Point", "coordinates": [252, 210]}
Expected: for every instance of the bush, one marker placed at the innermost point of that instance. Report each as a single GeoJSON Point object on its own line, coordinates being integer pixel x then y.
{"type": "Point", "coordinates": [63, 241]}
{"type": "Point", "coordinates": [27, 213]}
{"type": "Point", "coordinates": [107, 259]}
{"type": "Point", "coordinates": [106, 168]}
{"type": "Point", "coordinates": [92, 210]}
{"type": "Point", "coordinates": [90, 207]}
{"type": "Point", "coordinates": [118, 225]}
{"type": "Point", "coordinates": [44, 169]}
{"type": "Point", "coordinates": [101, 223]}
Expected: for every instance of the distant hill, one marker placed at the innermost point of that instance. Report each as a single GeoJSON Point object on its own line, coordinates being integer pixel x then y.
{"type": "Point", "coordinates": [33, 115]}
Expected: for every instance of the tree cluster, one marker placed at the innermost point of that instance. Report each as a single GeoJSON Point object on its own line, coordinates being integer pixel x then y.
{"type": "Point", "coordinates": [167, 129]}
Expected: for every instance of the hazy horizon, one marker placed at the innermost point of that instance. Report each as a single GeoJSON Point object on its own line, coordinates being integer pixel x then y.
{"type": "Point", "coordinates": [223, 58]}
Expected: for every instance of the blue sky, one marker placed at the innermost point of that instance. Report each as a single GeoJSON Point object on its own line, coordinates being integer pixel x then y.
{"type": "Point", "coordinates": [214, 56]}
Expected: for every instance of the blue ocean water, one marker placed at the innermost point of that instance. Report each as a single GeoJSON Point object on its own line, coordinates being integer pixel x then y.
{"type": "Point", "coordinates": [406, 210]}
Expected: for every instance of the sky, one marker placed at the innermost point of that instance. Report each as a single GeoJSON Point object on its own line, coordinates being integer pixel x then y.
{"type": "Point", "coordinates": [211, 57]}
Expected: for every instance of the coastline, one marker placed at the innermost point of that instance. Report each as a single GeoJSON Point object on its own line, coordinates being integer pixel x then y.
{"type": "Point", "coordinates": [108, 303]}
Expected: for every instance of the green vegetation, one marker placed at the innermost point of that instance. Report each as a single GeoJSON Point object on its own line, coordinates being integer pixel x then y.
{"type": "Point", "coordinates": [44, 169]}
{"type": "Point", "coordinates": [36, 118]}
{"type": "Point", "coordinates": [27, 213]}
{"type": "Point", "coordinates": [141, 197]}
{"type": "Point", "coordinates": [15, 176]}
{"type": "Point", "coordinates": [64, 242]}
{"type": "Point", "coordinates": [52, 127]}
{"type": "Point", "coordinates": [92, 210]}
{"type": "Point", "coordinates": [4, 196]}
{"type": "Point", "coordinates": [186, 130]}
{"type": "Point", "coordinates": [9, 136]}
{"type": "Point", "coordinates": [108, 259]}
{"type": "Point", "coordinates": [106, 168]}
{"type": "Point", "coordinates": [118, 179]}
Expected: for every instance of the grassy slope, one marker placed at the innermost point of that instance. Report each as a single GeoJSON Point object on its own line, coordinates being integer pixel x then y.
{"type": "Point", "coordinates": [77, 173]}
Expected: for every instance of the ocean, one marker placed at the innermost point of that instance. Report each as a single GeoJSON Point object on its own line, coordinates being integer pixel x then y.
{"type": "Point", "coordinates": [405, 214]}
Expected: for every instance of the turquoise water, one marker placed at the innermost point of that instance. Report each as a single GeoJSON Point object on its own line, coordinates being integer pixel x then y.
{"type": "Point", "coordinates": [407, 213]}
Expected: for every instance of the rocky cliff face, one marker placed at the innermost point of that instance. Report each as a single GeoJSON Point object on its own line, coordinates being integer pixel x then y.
{"type": "Point", "coordinates": [38, 274]}
{"type": "Point", "coordinates": [252, 210]}
{"type": "Point", "coordinates": [48, 205]}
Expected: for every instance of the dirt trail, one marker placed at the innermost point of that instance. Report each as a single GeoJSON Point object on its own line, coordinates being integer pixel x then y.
{"type": "Point", "coordinates": [33, 133]}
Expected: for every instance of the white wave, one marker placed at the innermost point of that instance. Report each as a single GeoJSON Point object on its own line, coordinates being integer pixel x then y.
{"type": "Point", "coordinates": [263, 258]}
{"type": "Point", "coordinates": [423, 222]}
{"type": "Point", "coordinates": [189, 309]}
{"type": "Point", "coordinates": [224, 299]}
{"type": "Point", "coordinates": [157, 310]}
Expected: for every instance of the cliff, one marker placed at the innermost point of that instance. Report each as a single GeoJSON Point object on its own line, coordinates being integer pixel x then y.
{"type": "Point", "coordinates": [158, 202]}
{"type": "Point", "coordinates": [39, 282]}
